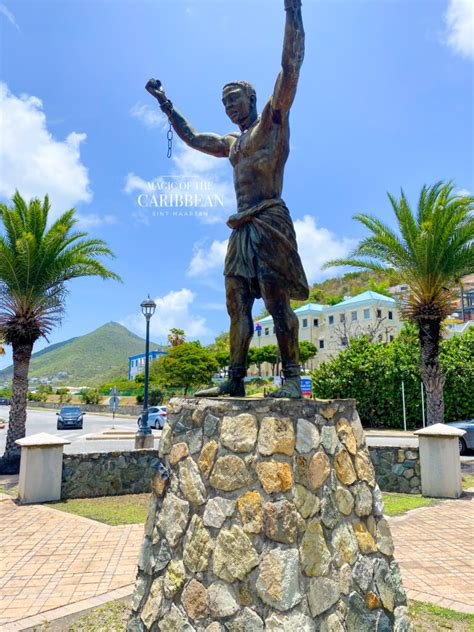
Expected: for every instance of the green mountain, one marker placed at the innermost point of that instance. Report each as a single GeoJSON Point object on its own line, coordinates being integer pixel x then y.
{"type": "Point", "coordinates": [86, 360]}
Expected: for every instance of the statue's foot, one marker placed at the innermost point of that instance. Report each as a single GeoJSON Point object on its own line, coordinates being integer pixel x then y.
{"type": "Point", "coordinates": [291, 389]}
{"type": "Point", "coordinates": [234, 388]}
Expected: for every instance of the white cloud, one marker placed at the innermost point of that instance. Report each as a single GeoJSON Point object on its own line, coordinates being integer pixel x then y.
{"type": "Point", "coordinates": [207, 260]}
{"type": "Point", "coordinates": [34, 162]}
{"type": "Point", "coordinates": [463, 192]}
{"type": "Point", "coordinates": [150, 116]}
{"type": "Point", "coordinates": [91, 220]}
{"type": "Point", "coordinates": [172, 310]}
{"type": "Point", "coordinates": [9, 15]}
{"type": "Point", "coordinates": [459, 20]}
{"type": "Point", "coordinates": [318, 245]}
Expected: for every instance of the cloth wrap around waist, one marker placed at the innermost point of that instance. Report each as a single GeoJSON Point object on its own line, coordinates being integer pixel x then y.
{"type": "Point", "coordinates": [263, 246]}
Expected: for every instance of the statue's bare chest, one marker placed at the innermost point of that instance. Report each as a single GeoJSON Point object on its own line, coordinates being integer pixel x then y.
{"type": "Point", "coordinates": [253, 146]}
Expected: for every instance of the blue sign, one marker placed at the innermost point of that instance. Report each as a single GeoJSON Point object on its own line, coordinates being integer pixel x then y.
{"type": "Point", "coordinates": [258, 327]}
{"type": "Point", "coordinates": [306, 385]}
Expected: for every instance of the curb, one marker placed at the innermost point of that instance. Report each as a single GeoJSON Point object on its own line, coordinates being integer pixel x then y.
{"type": "Point", "coordinates": [64, 612]}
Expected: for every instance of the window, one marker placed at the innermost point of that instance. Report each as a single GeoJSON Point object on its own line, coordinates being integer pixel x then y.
{"type": "Point", "coordinates": [273, 331]}
{"type": "Point", "coordinates": [353, 315]}
{"type": "Point", "coordinates": [315, 322]}
{"type": "Point", "coordinates": [342, 318]}
{"type": "Point", "coordinates": [390, 315]}
{"type": "Point", "coordinates": [331, 320]}
{"type": "Point", "coordinates": [344, 341]}
{"type": "Point", "coordinates": [391, 338]}
{"type": "Point", "coordinates": [366, 314]}
{"type": "Point", "coordinates": [379, 313]}
{"type": "Point", "coordinates": [321, 344]}
{"type": "Point", "coordinates": [305, 322]}
{"type": "Point", "coordinates": [267, 331]}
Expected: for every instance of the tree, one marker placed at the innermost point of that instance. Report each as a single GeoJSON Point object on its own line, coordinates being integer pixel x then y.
{"type": "Point", "coordinates": [36, 262]}
{"type": "Point", "coordinates": [176, 337]}
{"type": "Point", "coordinates": [431, 251]}
{"type": "Point", "coordinates": [270, 354]}
{"type": "Point", "coordinates": [256, 355]}
{"type": "Point", "coordinates": [64, 395]}
{"type": "Point", "coordinates": [221, 349]}
{"type": "Point", "coordinates": [307, 351]}
{"type": "Point", "coordinates": [186, 365]}
{"type": "Point", "coordinates": [90, 396]}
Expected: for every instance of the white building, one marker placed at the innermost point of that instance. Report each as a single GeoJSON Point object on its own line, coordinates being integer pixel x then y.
{"type": "Point", "coordinates": [329, 327]}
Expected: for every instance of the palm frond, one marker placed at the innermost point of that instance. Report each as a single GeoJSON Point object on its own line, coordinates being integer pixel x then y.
{"type": "Point", "coordinates": [35, 264]}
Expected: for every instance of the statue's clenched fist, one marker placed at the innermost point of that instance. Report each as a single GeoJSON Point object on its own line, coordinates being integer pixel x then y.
{"type": "Point", "coordinates": [155, 88]}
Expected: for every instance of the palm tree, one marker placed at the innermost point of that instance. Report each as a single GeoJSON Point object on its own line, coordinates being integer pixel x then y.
{"type": "Point", "coordinates": [431, 251]}
{"type": "Point", "coordinates": [35, 264]}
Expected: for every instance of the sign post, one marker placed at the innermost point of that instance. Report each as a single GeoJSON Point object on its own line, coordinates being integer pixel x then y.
{"type": "Point", "coordinates": [114, 402]}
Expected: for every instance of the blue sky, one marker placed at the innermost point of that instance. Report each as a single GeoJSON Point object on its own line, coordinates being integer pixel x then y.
{"type": "Point", "coordinates": [385, 100]}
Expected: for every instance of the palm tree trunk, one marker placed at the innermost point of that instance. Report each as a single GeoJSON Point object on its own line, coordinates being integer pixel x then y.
{"type": "Point", "coordinates": [17, 421]}
{"type": "Point", "coordinates": [431, 372]}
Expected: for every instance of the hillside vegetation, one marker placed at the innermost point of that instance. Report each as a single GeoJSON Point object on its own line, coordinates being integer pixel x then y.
{"type": "Point", "coordinates": [87, 360]}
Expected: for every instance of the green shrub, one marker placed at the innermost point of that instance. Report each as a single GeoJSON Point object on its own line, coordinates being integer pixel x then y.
{"type": "Point", "coordinates": [90, 396]}
{"type": "Point", "coordinates": [372, 373]}
{"type": "Point", "coordinates": [37, 397]}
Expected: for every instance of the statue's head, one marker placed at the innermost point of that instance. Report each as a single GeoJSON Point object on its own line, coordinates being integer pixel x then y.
{"type": "Point", "coordinates": [240, 102]}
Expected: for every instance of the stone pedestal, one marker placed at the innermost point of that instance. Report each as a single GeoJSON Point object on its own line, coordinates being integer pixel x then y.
{"type": "Point", "coordinates": [41, 467]}
{"type": "Point", "coordinates": [440, 461]}
{"type": "Point", "coordinates": [267, 517]}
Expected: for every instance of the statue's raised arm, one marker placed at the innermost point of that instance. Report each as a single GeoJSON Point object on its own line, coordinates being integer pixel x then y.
{"type": "Point", "coordinates": [292, 58]}
{"type": "Point", "coordinates": [208, 143]}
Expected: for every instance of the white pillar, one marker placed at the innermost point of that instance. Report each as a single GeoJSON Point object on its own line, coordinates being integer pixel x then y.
{"type": "Point", "coordinates": [41, 468]}
{"type": "Point", "coordinates": [440, 462]}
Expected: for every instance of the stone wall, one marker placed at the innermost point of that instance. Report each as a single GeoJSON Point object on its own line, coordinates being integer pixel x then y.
{"type": "Point", "coordinates": [108, 473]}
{"type": "Point", "coordinates": [268, 517]}
{"type": "Point", "coordinates": [90, 408]}
{"type": "Point", "coordinates": [397, 469]}
{"type": "Point", "coordinates": [114, 473]}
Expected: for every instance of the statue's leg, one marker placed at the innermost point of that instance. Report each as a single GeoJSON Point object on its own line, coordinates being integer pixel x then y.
{"type": "Point", "coordinates": [239, 300]}
{"type": "Point", "coordinates": [277, 301]}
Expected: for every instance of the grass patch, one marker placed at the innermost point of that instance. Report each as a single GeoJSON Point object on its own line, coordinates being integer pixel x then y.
{"type": "Point", "coordinates": [398, 504]}
{"type": "Point", "coordinates": [113, 617]}
{"type": "Point", "coordinates": [112, 510]}
{"type": "Point", "coordinates": [428, 618]}
{"type": "Point", "coordinates": [467, 481]}
{"type": "Point", "coordinates": [10, 491]}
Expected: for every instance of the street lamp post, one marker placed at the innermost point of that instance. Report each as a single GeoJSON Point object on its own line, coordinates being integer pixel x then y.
{"type": "Point", "coordinates": [144, 436]}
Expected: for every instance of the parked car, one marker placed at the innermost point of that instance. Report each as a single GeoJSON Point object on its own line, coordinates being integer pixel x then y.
{"type": "Point", "coordinates": [156, 417]}
{"type": "Point", "coordinates": [70, 417]}
{"type": "Point", "coordinates": [467, 441]}
{"type": "Point", "coordinates": [4, 401]}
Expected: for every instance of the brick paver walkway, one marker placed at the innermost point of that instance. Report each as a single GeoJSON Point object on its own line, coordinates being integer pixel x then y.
{"type": "Point", "coordinates": [51, 559]}
{"type": "Point", "coordinates": [53, 563]}
{"type": "Point", "coordinates": [434, 547]}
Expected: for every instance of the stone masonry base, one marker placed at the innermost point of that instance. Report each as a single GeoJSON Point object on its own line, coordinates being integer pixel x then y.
{"type": "Point", "coordinates": [270, 519]}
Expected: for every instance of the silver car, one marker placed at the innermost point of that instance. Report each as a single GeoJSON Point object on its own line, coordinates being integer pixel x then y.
{"type": "Point", "coordinates": [156, 417]}
{"type": "Point", "coordinates": [467, 441]}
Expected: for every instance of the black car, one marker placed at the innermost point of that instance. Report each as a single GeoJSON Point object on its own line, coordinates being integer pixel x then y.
{"type": "Point", "coordinates": [70, 417]}
{"type": "Point", "coordinates": [4, 401]}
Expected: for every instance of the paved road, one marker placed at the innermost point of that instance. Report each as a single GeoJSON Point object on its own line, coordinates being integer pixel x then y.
{"type": "Point", "coordinates": [45, 421]}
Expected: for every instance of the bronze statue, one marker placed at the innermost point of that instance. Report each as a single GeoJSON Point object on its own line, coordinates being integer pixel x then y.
{"type": "Point", "coordinates": [262, 259]}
